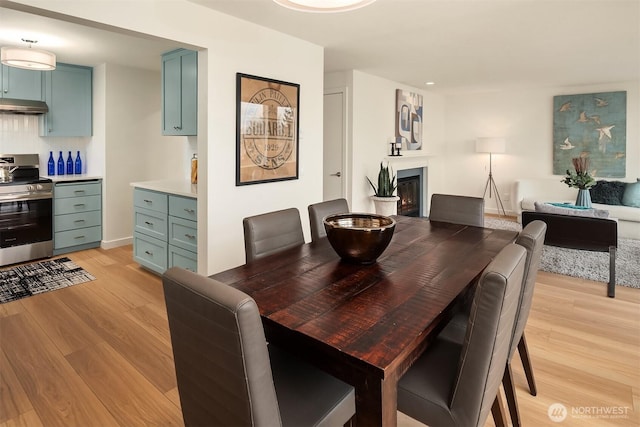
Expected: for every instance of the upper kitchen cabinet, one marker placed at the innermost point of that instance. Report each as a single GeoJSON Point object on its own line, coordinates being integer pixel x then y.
{"type": "Point", "coordinates": [180, 92]}
{"type": "Point", "coordinates": [18, 83]}
{"type": "Point", "coordinates": [67, 92]}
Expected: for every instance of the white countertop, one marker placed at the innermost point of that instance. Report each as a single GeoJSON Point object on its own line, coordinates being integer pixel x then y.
{"type": "Point", "coordinates": [67, 178]}
{"type": "Point", "coordinates": [177, 187]}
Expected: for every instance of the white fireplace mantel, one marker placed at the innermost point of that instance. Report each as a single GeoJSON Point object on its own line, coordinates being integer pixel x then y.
{"type": "Point", "coordinates": [413, 160]}
{"type": "Point", "coordinates": [408, 161]}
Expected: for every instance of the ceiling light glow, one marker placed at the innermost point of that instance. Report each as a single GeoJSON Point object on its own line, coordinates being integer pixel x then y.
{"type": "Point", "coordinates": [323, 6]}
{"type": "Point", "coordinates": [27, 58]}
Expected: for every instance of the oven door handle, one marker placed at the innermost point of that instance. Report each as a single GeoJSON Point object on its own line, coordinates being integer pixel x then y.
{"type": "Point", "coordinates": [23, 197]}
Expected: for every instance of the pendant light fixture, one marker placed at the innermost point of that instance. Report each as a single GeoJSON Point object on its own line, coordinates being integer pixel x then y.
{"type": "Point", "coordinates": [323, 6]}
{"type": "Point", "coordinates": [27, 57]}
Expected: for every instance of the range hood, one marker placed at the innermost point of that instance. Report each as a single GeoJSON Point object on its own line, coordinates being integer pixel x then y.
{"type": "Point", "coordinates": [22, 106]}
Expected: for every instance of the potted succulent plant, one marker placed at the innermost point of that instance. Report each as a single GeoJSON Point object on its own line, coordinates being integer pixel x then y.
{"type": "Point", "coordinates": [384, 200]}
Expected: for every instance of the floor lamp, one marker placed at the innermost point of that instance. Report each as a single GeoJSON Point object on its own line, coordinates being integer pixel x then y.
{"type": "Point", "coordinates": [491, 146]}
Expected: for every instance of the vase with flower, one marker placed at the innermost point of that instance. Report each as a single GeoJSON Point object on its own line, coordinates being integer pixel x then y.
{"type": "Point", "coordinates": [580, 179]}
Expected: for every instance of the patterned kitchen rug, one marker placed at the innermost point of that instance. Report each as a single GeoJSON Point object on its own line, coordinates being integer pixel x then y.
{"type": "Point", "coordinates": [39, 277]}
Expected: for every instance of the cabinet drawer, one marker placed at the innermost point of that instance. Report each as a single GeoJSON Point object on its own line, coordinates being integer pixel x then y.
{"type": "Point", "coordinates": [150, 252]}
{"type": "Point", "coordinates": [150, 200]}
{"type": "Point", "coordinates": [151, 223]}
{"type": "Point", "coordinates": [179, 257]}
{"type": "Point", "coordinates": [183, 233]}
{"type": "Point", "coordinates": [183, 207]}
{"type": "Point", "coordinates": [76, 190]}
{"type": "Point", "coordinates": [81, 236]}
{"type": "Point", "coordinates": [77, 220]}
{"type": "Point", "coordinates": [77, 205]}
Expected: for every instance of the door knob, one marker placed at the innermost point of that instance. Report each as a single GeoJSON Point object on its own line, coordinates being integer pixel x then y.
{"type": "Point", "coordinates": [338, 174]}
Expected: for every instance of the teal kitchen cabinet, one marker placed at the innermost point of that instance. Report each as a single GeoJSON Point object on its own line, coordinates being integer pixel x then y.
{"type": "Point", "coordinates": [165, 230]}
{"type": "Point", "coordinates": [77, 216]}
{"type": "Point", "coordinates": [180, 92]}
{"type": "Point", "coordinates": [68, 93]}
{"type": "Point", "coordinates": [18, 83]}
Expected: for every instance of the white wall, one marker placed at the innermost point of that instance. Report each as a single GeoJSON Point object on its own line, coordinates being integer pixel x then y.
{"type": "Point", "coordinates": [371, 121]}
{"type": "Point", "coordinates": [232, 46]}
{"type": "Point", "coordinates": [134, 149]}
{"type": "Point", "coordinates": [525, 119]}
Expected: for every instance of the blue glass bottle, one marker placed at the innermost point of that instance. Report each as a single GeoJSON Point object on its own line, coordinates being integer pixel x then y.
{"type": "Point", "coordinates": [78, 170]}
{"type": "Point", "coordinates": [51, 165]}
{"type": "Point", "coordinates": [60, 164]}
{"type": "Point", "coordinates": [69, 164]}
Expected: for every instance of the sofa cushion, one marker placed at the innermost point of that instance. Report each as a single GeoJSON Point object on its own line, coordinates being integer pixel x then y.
{"type": "Point", "coordinates": [608, 192]}
{"type": "Point", "coordinates": [591, 213]}
{"type": "Point", "coordinates": [631, 195]}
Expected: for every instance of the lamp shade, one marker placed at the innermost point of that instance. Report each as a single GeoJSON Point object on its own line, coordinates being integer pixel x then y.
{"type": "Point", "coordinates": [323, 6]}
{"type": "Point", "coordinates": [490, 145]}
{"type": "Point", "coordinates": [27, 58]}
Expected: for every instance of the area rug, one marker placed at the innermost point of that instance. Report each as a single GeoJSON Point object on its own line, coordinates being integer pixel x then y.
{"type": "Point", "coordinates": [36, 278]}
{"type": "Point", "coordinates": [586, 264]}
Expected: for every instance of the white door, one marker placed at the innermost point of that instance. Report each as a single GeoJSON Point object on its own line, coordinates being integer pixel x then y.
{"type": "Point", "coordinates": [334, 141]}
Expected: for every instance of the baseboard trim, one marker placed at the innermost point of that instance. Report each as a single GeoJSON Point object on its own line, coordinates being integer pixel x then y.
{"type": "Point", "coordinates": [110, 244]}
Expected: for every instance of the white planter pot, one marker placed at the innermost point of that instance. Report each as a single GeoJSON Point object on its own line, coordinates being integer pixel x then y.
{"type": "Point", "coordinates": [386, 206]}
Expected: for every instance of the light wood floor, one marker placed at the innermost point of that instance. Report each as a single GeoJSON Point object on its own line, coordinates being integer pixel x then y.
{"type": "Point", "coordinates": [98, 354]}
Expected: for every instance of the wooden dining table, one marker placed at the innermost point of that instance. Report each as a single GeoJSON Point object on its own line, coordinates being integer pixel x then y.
{"type": "Point", "coordinates": [367, 324]}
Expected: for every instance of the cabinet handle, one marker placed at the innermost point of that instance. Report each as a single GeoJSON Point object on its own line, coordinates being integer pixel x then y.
{"type": "Point", "coordinates": [148, 223]}
{"type": "Point", "coordinates": [177, 127]}
{"type": "Point", "coordinates": [189, 210]}
{"type": "Point", "coordinates": [78, 205]}
{"type": "Point", "coordinates": [78, 220]}
{"type": "Point", "coordinates": [78, 191]}
{"type": "Point", "coordinates": [148, 253]}
{"type": "Point", "coordinates": [79, 237]}
{"type": "Point", "coordinates": [147, 201]}
{"type": "Point", "coordinates": [189, 236]}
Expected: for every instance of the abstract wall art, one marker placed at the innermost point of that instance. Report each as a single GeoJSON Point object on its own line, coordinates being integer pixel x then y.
{"type": "Point", "coordinates": [409, 118]}
{"type": "Point", "coordinates": [592, 125]}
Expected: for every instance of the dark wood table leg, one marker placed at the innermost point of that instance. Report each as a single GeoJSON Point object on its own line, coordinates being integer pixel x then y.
{"type": "Point", "coordinates": [377, 402]}
{"type": "Point", "coordinates": [611, 289]}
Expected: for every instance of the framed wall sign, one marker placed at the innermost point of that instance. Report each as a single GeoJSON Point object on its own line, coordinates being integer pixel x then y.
{"type": "Point", "coordinates": [267, 120]}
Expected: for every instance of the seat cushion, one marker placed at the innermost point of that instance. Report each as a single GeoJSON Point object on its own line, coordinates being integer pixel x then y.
{"type": "Point", "coordinates": [591, 213]}
{"type": "Point", "coordinates": [308, 396]}
{"type": "Point", "coordinates": [424, 391]}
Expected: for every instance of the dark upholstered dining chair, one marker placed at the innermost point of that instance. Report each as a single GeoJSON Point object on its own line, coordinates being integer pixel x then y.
{"type": "Point", "coordinates": [272, 232]}
{"type": "Point", "coordinates": [318, 211]}
{"type": "Point", "coordinates": [456, 384]}
{"type": "Point", "coordinates": [228, 375]}
{"type": "Point", "coordinates": [532, 239]}
{"type": "Point", "coordinates": [463, 210]}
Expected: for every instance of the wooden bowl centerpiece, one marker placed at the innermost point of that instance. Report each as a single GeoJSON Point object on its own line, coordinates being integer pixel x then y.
{"type": "Point", "coordinates": [359, 237]}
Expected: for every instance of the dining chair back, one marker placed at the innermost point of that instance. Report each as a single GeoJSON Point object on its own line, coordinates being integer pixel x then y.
{"type": "Point", "coordinates": [272, 232]}
{"type": "Point", "coordinates": [463, 210]}
{"type": "Point", "coordinates": [226, 372]}
{"type": "Point", "coordinates": [532, 239]}
{"type": "Point", "coordinates": [457, 383]}
{"type": "Point", "coordinates": [318, 211]}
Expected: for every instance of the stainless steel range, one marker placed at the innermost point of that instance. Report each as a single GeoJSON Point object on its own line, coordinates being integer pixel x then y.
{"type": "Point", "coordinates": [26, 210]}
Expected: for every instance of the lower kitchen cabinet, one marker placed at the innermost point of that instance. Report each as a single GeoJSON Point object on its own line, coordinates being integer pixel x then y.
{"type": "Point", "coordinates": [165, 231]}
{"type": "Point", "coordinates": [77, 216]}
